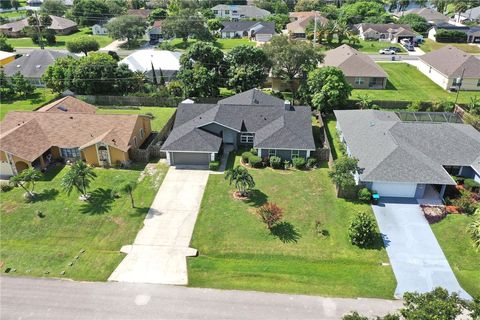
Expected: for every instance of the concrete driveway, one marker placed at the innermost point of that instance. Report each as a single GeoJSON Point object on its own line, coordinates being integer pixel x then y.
{"type": "Point", "coordinates": [416, 257]}
{"type": "Point", "coordinates": [158, 254]}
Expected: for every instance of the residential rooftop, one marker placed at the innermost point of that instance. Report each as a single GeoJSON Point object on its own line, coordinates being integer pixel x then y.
{"type": "Point", "coordinates": [453, 62]}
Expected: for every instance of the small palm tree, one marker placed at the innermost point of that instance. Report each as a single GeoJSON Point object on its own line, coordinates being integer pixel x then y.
{"type": "Point", "coordinates": [128, 189]}
{"type": "Point", "coordinates": [26, 180]}
{"type": "Point", "coordinates": [242, 179]}
{"type": "Point", "coordinates": [474, 230]}
{"type": "Point", "coordinates": [364, 101]}
{"type": "Point", "coordinates": [79, 177]}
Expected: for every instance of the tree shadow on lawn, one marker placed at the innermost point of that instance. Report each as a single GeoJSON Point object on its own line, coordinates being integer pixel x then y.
{"type": "Point", "coordinates": [390, 86]}
{"type": "Point", "coordinates": [379, 242]}
{"type": "Point", "coordinates": [138, 212]}
{"type": "Point", "coordinates": [286, 232]}
{"type": "Point", "coordinates": [100, 202]}
{"type": "Point", "coordinates": [257, 198]}
{"type": "Point", "coordinates": [46, 194]}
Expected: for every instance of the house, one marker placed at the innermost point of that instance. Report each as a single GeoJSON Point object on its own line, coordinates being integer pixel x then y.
{"type": "Point", "coordinates": [472, 14]}
{"type": "Point", "coordinates": [61, 26]}
{"type": "Point", "coordinates": [144, 13]}
{"type": "Point", "coordinates": [429, 14]}
{"type": "Point", "coordinates": [248, 119]}
{"type": "Point", "coordinates": [166, 63]}
{"type": "Point", "coordinates": [445, 26]}
{"type": "Point", "coordinates": [100, 29]}
{"type": "Point", "coordinates": [360, 71]}
{"type": "Point", "coordinates": [256, 30]}
{"type": "Point", "coordinates": [32, 65]}
{"type": "Point", "coordinates": [447, 65]}
{"type": "Point", "coordinates": [6, 57]}
{"type": "Point", "coordinates": [388, 32]}
{"type": "Point", "coordinates": [155, 31]}
{"type": "Point", "coordinates": [401, 157]}
{"type": "Point", "coordinates": [68, 104]}
{"type": "Point", "coordinates": [473, 35]}
{"type": "Point", "coordinates": [35, 139]}
{"type": "Point", "coordinates": [236, 12]}
{"type": "Point", "coordinates": [301, 20]}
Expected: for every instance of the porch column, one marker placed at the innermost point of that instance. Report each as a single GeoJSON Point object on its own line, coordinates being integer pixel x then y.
{"type": "Point", "coordinates": [308, 154]}
{"type": "Point", "coordinates": [42, 162]}
{"type": "Point", "coordinates": [168, 157]}
{"type": "Point", "coordinates": [259, 152]}
{"type": "Point", "coordinates": [212, 156]}
{"type": "Point", "coordinates": [442, 191]}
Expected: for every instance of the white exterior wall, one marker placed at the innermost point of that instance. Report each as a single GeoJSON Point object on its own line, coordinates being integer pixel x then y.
{"type": "Point", "coordinates": [431, 34]}
{"type": "Point", "coordinates": [263, 37]}
{"type": "Point", "coordinates": [444, 82]}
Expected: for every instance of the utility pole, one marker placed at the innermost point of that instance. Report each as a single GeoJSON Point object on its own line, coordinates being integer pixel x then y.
{"type": "Point", "coordinates": [315, 30]}
{"type": "Point", "coordinates": [459, 85]}
{"type": "Point", "coordinates": [39, 33]}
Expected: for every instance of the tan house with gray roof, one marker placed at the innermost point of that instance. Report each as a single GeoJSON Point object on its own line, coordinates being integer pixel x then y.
{"type": "Point", "coordinates": [300, 21]}
{"type": "Point", "coordinates": [388, 32]}
{"type": "Point", "coordinates": [59, 25]}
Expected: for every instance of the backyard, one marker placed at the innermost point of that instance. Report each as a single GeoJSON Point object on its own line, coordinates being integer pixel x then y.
{"type": "Point", "coordinates": [309, 253]}
{"type": "Point", "coordinates": [61, 40]}
{"type": "Point", "coordinates": [40, 97]}
{"type": "Point", "coordinates": [430, 45]}
{"type": "Point", "coordinates": [224, 44]}
{"type": "Point", "coordinates": [406, 83]}
{"type": "Point", "coordinates": [365, 46]}
{"type": "Point", "coordinates": [45, 246]}
{"type": "Point", "coordinates": [160, 116]}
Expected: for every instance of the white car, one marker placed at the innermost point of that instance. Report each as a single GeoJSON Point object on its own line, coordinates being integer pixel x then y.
{"type": "Point", "coordinates": [405, 42]}
{"type": "Point", "coordinates": [386, 51]}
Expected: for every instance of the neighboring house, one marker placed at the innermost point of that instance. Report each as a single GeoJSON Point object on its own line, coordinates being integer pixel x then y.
{"type": "Point", "coordinates": [409, 159]}
{"type": "Point", "coordinates": [388, 32]}
{"type": "Point", "coordinates": [100, 29]}
{"type": "Point", "coordinates": [35, 139]}
{"type": "Point", "coordinates": [60, 25]}
{"type": "Point", "coordinates": [248, 119]}
{"type": "Point", "coordinates": [6, 57]}
{"type": "Point", "coordinates": [360, 71]}
{"type": "Point", "coordinates": [431, 15]}
{"type": "Point", "coordinates": [32, 65]}
{"type": "Point", "coordinates": [473, 35]}
{"type": "Point", "coordinates": [297, 28]}
{"type": "Point", "coordinates": [68, 104]}
{"type": "Point", "coordinates": [236, 12]}
{"type": "Point", "coordinates": [446, 65]}
{"type": "Point", "coordinates": [163, 62]}
{"type": "Point", "coordinates": [472, 14]}
{"type": "Point", "coordinates": [256, 30]}
{"type": "Point", "coordinates": [445, 26]}
{"type": "Point", "coordinates": [155, 31]}
{"type": "Point", "coordinates": [144, 13]}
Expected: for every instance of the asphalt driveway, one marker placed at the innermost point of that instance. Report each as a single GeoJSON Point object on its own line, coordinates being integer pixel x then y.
{"type": "Point", "coordinates": [158, 254]}
{"type": "Point", "coordinates": [416, 257]}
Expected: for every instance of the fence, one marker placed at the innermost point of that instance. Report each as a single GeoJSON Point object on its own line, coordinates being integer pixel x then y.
{"type": "Point", "coordinates": [324, 153]}
{"type": "Point", "coordinates": [468, 118]}
{"type": "Point", "coordinates": [130, 100]}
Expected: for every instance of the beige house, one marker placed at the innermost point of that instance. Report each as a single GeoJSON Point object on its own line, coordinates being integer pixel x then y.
{"type": "Point", "coordinates": [300, 21]}
{"type": "Point", "coordinates": [445, 67]}
{"type": "Point", "coordinates": [387, 32]}
{"type": "Point", "coordinates": [359, 69]}
{"type": "Point", "coordinates": [61, 26]}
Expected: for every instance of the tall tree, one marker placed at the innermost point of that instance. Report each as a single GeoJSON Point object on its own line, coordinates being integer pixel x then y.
{"type": "Point", "coordinates": [78, 177]}
{"type": "Point", "coordinates": [94, 74]}
{"type": "Point", "coordinates": [58, 76]}
{"type": "Point", "coordinates": [309, 5]}
{"type": "Point", "coordinates": [21, 85]}
{"type": "Point", "coordinates": [343, 170]}
{"type": "Point", "coordinates": [90, 12]}
{"type": "Point", "coordinates": [364, 11]}
{"type": "Point", "coordinates": [187, 23]}
{"type": "Point", "coordinates": [26, 180]}
{"type": "Point", "coordinates": [83, 44]}
{"type": "Point", "coordinates": [328, 89]}
{"type": "Point", "coordinates": [418, 23]}
{"type": "Point", "coordinates": [4, 45]}
{"type": "Point", "coordinates": [128, 27]}
{"type": "Point", "coordinates": [53, 7]}
{"type": "Point", "coordinates": [280, 20]}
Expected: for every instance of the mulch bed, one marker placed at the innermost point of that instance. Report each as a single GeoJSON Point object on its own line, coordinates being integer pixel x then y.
{"type": "Point", "coordinates": [434, 214]}
{"type": "Point", "coordinates": [236, 195]}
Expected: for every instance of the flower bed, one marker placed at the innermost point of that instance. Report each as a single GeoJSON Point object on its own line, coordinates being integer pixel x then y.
{"type": "Point", "coordinates": [434, 214]}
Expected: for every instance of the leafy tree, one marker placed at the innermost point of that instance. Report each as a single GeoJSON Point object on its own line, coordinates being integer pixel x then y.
{"type": "Point", "coordinates": [418, 23]}
{"type": "Point", "coordinates": [90, 12]}
{"type": "Point", "coordinates": [364, 11]}
{"type": "Point", "coordinates": [94, 74]}
{"type": "Point", "coordinates": [474, 230]}
{"type": "Point", "coordinates": [214, 25]}
{"type": "Point", "coordinates": [38, 29]}
{"type": "Point", "coordinates": [437, 304]}
{"type": "Point", "coordinates": [26, 180]}
{"type": "Point", "coordinates": [58, 76]}
{"type": "Point", "coordinates": [202, 70]}
{"type": "Point", "coordinates": [6, 90]}
{"type": "Point", "coordinates": [175, 88]}
{"type": "Point", "coordinates": [270, 213]}
{"type": "Point", "coordinates": [137, 4]}
{"type": "Point", "coordinates": [186, 23]}
{"type": "Point", "coordinates": [362, 230]}
{"type": "Point", "coordinates": [327, 88]}
{"type": "Point", "coordinates": [20, 85]}
{"type": "Point", "coordinates": [128, 27]}
{"type": "Point", "coordinates": [128, 81]}
{"type": "Point", "coordinates": [343, 170]}
{"type": "Point", "coordinates": [309, 5]}
{"type": "Point", "coordinates": [157, 14]}
{"type": "Point", "coordinates": [53, 7]}
{"type": "Point", "coordinates": [4, 46]}
{"type": "Point", "coordinates": [273, 6]}
{"type": "Point", "coordinates": [330, 12]}
{"type": "Point", "coordinates": [403, 4]}
{"type": "Point", "coordinates": [248, 68]}
{"type": "Point", "coordinates": [116, 7]}
{"type": "Point", "coordinates": [281, 20]}
{"type": "Point", "coordinates": [291, 58]}
{"type": "Point", "coordinates": [78, 177]}
{"type": "Point", "coordinates": [83, 44]}
{"type": "Point", "coordinates": [241, 178]}
{"type": "Point", "coordinates": [128, 189]}
{"type": "Point", "coordinates": [474, 106]}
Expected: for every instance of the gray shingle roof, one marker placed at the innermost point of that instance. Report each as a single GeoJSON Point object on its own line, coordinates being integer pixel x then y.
{"type": "Point", "coordinates": [58, 24]}
{"type": "Point", "coordinates": [428, 13]}
{"type": "Point", "coordinates": [391, 150]}
{"type": "Point", "coordinates": [250, 111]}
{"type": "Point", "coordinates": [246, 10]}
{"type": "Point", "coordinates": [33, 64]}
{"type": "Point", "coordinates": [451, 61]}
{"type": "Point", "coordinates": [241, 26]}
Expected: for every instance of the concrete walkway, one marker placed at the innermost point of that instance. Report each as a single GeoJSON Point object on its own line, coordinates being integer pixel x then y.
{"type": "Point", "coordinates": [158, 254]}
{"type": "Point", "coordinates": [417, 259]}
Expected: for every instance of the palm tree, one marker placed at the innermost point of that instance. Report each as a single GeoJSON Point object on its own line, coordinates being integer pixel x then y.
{"type": "Point", "coordinates": [474, 230]}
{"type": "Point", "coordinates": [403, 4]}
{"type": "Point", "coordinates": [460, 7]}
{"type": "Point", "coordinates": [128, 189]}
{"type": "Point", "coordinates": [242, 179]}
{"type": "Point", "coordinates": [364, 101]}
{"type": "Point", "coordinates": [330, 29]}
{"type": "Point", "coordinates": [27, 179]}
{"type": "Point", "coordinates": [343, 31]}
{"type": "Point", "coordinates": [79, 177]}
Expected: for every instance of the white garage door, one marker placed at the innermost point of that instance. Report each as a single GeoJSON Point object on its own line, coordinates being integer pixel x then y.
{"type": "Point", "coordinates": [403, 190]}
{"type": "Point", "coordinates": [5, 169]}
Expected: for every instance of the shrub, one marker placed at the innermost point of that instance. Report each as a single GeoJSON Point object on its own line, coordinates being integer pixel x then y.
{"type": "Point", "coordinates": [362, 231]}
{"type": "Point", "coordinates": [5, 186]}
{"type": "Point", "coordinates": [465, 203]}
{"type": "Point", "coordinates": [299, 162]}
{"type": "Point", "coordinates": [275, 162]}
{"type": "Point", "coordinates": [286, 164]}
{"type": "Point", "coordinates": [246, 156]}
{"type": "Point", "coordinates": [451, 36]}
{"type": "Point", "coordinates": [458, 180]}
{"type": "Point", "coordinates": [364, 195]}
{"type": "Point", "coordinates": [270, 214]}
{"type": "Point", "coordinates": [254, 151]}
{"type": "Point", "coordinates": [255, 161]}
{"type": "Point", "coordinates": [474, 231]}
{"type": "Point", "coordinates": [471, 184]}
{"type": "Point", "coordinates": [214, 165]}
{"type": "Point", "coordinates": [311, 163]}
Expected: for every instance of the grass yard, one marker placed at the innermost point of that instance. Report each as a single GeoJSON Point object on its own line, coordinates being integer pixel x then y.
{"type": "Point", "coordinates": [40, 97]}
{"type": "Point", "coordinates": [457, 246]}
{"type": "Point", "coordinates": [224, 44]}
{"type": "Point", "coordinates": [160, 115]}
{"type": "Point", "coordinates": [366, 46]}
{"type": "Point", "coordinates": [14, 14]}
{"type": "Point", "coordinates": [45, 246]}
{"type": "Point", "coordinates": [332, 136]}
{"type": "Point", "coordinates": [236, 251]}
{"type": "Point", "coordinates": [430, 45]}
{"type": "Point", "coordinates": [61, 40]}
{"type": "Point", "coordinates": [406, 83]}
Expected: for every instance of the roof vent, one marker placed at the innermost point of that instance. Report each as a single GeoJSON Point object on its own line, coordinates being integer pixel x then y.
{"type": "Point", "coordinates": [18, 66]}
{"type": "Point", "coordinates": [188, 101]}
{"type": "Point", "coordinates": [71, 118]}
{"type": "Point", "coordinates": [38, 66]}
{"type": "Point", "coordinates": [255, 101]}
{"type": "Point", "coordinates": [372, 123]}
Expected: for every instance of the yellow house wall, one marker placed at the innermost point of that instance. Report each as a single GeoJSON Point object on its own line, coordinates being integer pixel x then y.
{"type": "Point", "coordinates": [3, 156]}
{"type": "Point", "coordinates": [117, 155]}
{"type": "Point", "coordinates": [90, 155]}
{"type": "Point", "coordinates": [55, 151]}
{"type": "Point", "coordinates": [6, 60]}
{"type": "Point", "coordinates": [142, 122]}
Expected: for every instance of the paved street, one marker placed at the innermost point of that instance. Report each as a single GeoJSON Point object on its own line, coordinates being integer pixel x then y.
{"type": "Point", "coordinates": [28, 298]}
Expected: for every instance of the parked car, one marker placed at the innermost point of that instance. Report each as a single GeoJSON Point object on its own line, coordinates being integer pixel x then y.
{"type": "Point", "coordinates": [409, 47]}
{"type": "Point", "coordinates": [396, 49]}
{"type": "Point", "coordinates": [386, 51]}
{"type": "Point", "coordinates": [404, 41]}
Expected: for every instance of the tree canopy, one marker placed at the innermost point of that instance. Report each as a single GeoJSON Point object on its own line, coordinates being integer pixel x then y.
{"type": "Point", "coordinates": [418, 23]}
{"type": "Point", "coordinates": [187, 23]}
{"type": "Point", "coordinates": [54, 7]}
{"type": "Point", "coordinates": [90, 12]}
{"type": "Point", "coordinates": [4, 45]}
{"type": "Point", "coordinates": [83, 44]}
{"type": "Point", "coordinates": [273, 6]}
{"type": "Point", "coordinates": [364, 11]}
{"type": "Point", "coordinates": [128, 27]}
{"type": "Point", "coordinates": [343, 170]}
{"type": "Point", "coordinates": [280, 20]}
{"type": "Point", "coordinates": [309, 5]}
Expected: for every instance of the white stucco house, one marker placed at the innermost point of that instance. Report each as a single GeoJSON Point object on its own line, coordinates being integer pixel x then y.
{"type": "Point", "coordinates": [237, 12]}
{"type": "Point", "coordinates": [162, 62]}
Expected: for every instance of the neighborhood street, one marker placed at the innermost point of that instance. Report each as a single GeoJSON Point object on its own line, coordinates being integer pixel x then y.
{"type": "Point", "coordinates": [28, 298]}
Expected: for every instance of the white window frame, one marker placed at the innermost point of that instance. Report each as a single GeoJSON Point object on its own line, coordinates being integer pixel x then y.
{"type": "Point", "coordinates": [247, 137]}
{"type": "Point", "coordinates": [70, 153]}
{"type": "Point", "coordinates": [295, 154]}
{"type": "Point", "coordinates": [359, 80]}
{"type": "Point", "coordinates": [142, 133]}
{"type": "Point", "coordinates": [272, 152]}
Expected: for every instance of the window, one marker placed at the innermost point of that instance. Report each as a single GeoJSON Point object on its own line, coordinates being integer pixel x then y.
{"type": "Point", "coordinates": [295, 153]}
{"type": "Point", "coordinates": [135, 142]}
{"type": "Point", "coordinates": [359, 80]}
{"type": "Point", "coordinates": [69, 153]}
{"type": "Point", "coordinates": [246, 137]}
{"type": "Point", "coordinates": [227, 11]}
{"type": "Point", "coordinates": [272, 152]}
{"type": "Point", "coordinates": [478, 83]}
{"type": "Point", "coordinates": [215, 11]}
{"type": "Point", "coordinates": [457, 82]}
{"type": "Point", "coordinates": [142, 133]}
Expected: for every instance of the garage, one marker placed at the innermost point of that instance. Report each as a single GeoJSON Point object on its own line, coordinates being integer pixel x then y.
{"type": "Point", "coordinates": [395, 189]}
{"type": "Point", "coordinates": [189, 158]}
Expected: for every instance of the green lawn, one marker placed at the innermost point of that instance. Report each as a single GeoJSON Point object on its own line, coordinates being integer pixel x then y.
{"type": "Point", "coordinates": [160, 115]}
{"type": "Point", "coordinates": [457, 246]}
{"type": "Point", "coordinates": [14, 14]}
{"type": "Point", "coordinates": [40, 97]}
{"type": "Point", "coordinates": [45, 246]}
{"type": "Point", "coordinates": [406, 83]}
{"type": "Point", "coordinates": [61, 40]}
{"type": "Point", "coordinates": [430, 45]}
{"type": "Point", "coordinates": [224, 44]}
{"type": "Point", "coordinates": [332, 136]}
{"type": "Point", "coordinates": [366, 46]}
{"type": "Point", "coordinates": [236, 251]}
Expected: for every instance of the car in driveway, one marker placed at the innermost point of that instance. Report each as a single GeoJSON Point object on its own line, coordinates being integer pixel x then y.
{"type": "Point", "coordinates": [396, 49]}
{"type": "Point", "coordinates": [386, 51]}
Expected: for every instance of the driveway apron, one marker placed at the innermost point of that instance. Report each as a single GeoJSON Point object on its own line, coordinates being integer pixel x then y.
{"type": "Point", "coordinates": [158, 254]}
